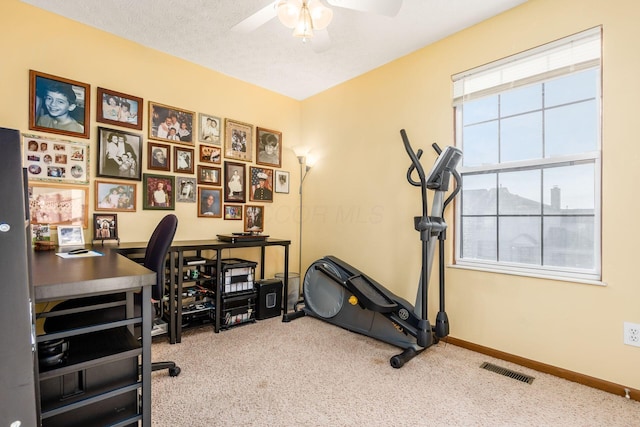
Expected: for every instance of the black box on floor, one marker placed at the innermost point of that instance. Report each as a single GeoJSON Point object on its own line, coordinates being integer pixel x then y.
{"type": "Point", "coordinates": [269, 298]}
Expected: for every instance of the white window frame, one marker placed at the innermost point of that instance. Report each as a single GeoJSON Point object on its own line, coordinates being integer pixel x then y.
{"type": "Point", "coordinates": [574, 53]}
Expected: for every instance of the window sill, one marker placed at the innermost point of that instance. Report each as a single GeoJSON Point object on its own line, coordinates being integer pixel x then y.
{"type": "Point", "coordinates": [538, 275]}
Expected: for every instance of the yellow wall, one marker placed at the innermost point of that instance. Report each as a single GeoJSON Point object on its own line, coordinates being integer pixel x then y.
{"type": "Point", "coordinates": [35, 39]}
{"type": "Point", "coordinates": [357, 202]}
{"type": "Point", "coordinates": [359, 206]}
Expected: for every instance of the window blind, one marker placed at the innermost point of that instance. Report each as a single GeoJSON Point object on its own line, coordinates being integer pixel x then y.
{"type": "Point", "coordinates": [573, 53]}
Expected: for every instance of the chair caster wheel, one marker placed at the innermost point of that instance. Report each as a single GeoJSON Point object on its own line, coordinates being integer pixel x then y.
{"type": "Point", "coordinates": [174, 372]}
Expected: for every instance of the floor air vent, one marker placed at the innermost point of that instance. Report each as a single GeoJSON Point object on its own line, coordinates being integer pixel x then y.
{"type": "Point", "coordinates": [507, 372]}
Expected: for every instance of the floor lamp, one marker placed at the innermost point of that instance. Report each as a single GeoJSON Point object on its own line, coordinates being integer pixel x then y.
{"type": "Point", "coordinates": [305, 166]}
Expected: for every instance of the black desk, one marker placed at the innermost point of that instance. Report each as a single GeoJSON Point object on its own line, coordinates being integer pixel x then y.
{"type": "Point", "coordinates": [55, 278]}
{"type": "Point", "coordinates": [176, 253]}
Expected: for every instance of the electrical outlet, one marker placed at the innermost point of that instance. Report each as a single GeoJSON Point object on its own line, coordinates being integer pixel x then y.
{"type": "Point", "coordinates": [632, 334]}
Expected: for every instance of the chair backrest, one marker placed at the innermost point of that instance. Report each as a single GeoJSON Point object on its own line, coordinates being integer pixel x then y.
{"type": "Point", "coordinates": [157, 248]}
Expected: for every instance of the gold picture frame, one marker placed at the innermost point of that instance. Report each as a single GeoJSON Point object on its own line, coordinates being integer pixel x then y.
{"type": "Point", "coordinates": [238, 140]}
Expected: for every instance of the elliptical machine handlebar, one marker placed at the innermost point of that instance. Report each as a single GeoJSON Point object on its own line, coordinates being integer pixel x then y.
{"type": "Point", "coordinates": [415, 165]}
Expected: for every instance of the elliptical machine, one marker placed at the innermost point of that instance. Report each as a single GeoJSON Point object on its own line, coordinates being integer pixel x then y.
{"type": "Point", "coordinates": [338, 293]}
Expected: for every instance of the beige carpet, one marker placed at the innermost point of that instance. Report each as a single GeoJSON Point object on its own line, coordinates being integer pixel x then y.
{"type": "Point", "coordinates": [309, 373]}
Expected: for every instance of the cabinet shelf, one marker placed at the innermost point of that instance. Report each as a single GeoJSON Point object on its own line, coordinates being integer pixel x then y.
{"type": "Point", "coordinates": [94, 349]}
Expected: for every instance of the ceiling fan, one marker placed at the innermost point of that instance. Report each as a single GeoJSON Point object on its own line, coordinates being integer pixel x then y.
{"type": "Point", "coordinates": [310, 18]}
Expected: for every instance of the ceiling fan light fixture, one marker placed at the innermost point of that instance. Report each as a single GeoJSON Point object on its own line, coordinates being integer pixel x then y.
{"type": "Point", "coordinates": [288, 12]}
{"type": "Point", "coordinates": [321, 15]}
{"type": "Point", "coordinates": [304, 26]}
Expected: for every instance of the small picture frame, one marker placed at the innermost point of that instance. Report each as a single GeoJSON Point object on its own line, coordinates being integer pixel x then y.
{"type": "Point", "coordinates": [158, 156]}
{"type": "Point", "coordinates": [209, 175]}
{"type": "Point", "coordinates": [209, 202]}
{"type": "Point", "coordinates": [119, 154]}
{"type": "Point", "coordinates": [183, 160]}
{"type": "Point", "coordinates": [119, 109]}
{"type": "Point", "coordinates": [159, 192]}
{"type": "Point", "coordinates": [238, 139]}
{"type": "Point", "coordinates": [58, 205]}
{"type": "Point", "coordinates": [268, 147]}
{"type": "Point", "coordinates": [56, 160]}
{"type": "Point", "coordinates": [70, 235]}
{"type": "Point", "coordinates": [234, 186]}
{"type": "Point", "coordinates": [261, 184]}
{"type": "Point", "coordinates": [72, 105]}
{"type": "Point", "coordinates": [170, 124]}
{"type": "Point", "coordinates": [210, 129]}
{"type": "Point", "coordinates": [233, 212]}
{"type": "Point", "coordinates": [185, 190]}
{"type": "Point", "coordinates": [105, 227]}
{"type": "Point", "coordinates": [210, 154]}
{"type": "Point", "coordinates": [253, 218]}
{"type": "Point", "coordinates": [281, 182]}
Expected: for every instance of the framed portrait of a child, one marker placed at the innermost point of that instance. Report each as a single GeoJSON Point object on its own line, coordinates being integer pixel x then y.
{"type": "Point", "coordinates": [58, 105]}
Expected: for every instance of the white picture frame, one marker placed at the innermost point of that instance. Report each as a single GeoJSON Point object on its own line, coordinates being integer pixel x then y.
{"type": "Point", "coordinates": [70, 235]}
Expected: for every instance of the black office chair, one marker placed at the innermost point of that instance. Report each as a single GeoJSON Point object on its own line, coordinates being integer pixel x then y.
{"type": "Point", "coordinates": [154, 259]}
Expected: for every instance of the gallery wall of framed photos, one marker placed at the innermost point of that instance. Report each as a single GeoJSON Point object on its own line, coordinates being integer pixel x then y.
{"type": "Point", "coordinates": [139, 155]}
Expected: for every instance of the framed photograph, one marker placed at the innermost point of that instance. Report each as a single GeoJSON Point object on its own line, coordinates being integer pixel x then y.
{"type": "Point", "coordinates": [209, 129]}
{"type": "Point", "coordinates": [268, 147]}
{"type": "Point", "coordinates": [209, 202]}
{"type": "Point", "coordinates": [105, 227]}
{"type": "Point", "coordinates": [282, 182]}
{"type": "Point", "coordinates": [209, 175]}
{"type": "Point", "coordinates": [233, 212]}
{"type": "Point", "coordinates": [58, 205]}
{"type": "Point", "coordinates": [158, 156]}
{"type": "Point", "coordinates": [115, 196]}
{"type": "Point", "coordinates": [183, 160]}
{"type": "Point", "coordinates": [119, 154]}
{"type": "Point", "coordinates": [170, 124]}
{"type": "Point", "coordinates": [253, 218]}
{"type": "Point", "coordinates": [237, 140]}
{"type": "Point", "coordinates": [70, 235]}
{"type": "Point", "coordinates": [119, 109]}
{"type": "Point", "coordinates": [49, 159]}
{"type": "Point", "coordinates": [261, 184]}
{"type": "Point", "coordinates": [159, 192]}
{"type": "Point", "coordinates": [234, 188]}
{"type": "Point", "coordinates": [185, 190]}
{"type": "Point", "coordinates": [58, 105]}
{"type": "Point", "coordinates": [209, 154]}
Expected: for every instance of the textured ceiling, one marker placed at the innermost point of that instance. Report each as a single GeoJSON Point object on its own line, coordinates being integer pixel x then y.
{"type": "Point", "coordinates": [199, 31]}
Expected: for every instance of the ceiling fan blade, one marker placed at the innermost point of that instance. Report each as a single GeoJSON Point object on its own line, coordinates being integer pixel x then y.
{"type": "Point", "coordinates": [381, 7]}
{"type": "Point", "coordinates": [256, 20]}
{"type": "Point", "coordinates": [320, 41]}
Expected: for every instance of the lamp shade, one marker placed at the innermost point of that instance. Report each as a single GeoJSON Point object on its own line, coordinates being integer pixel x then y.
{"type": "Point", "coordinates": [320, 14]}
{"type": "Point", "coordinates": [288, 12]}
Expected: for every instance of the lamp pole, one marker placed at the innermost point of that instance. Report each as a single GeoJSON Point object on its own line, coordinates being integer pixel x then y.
{"type": "Point", "coordinates": [304, 169]}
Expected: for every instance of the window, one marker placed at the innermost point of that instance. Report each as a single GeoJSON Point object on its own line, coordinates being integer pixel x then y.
{"type": "Point", "coordinates": [529, 130]}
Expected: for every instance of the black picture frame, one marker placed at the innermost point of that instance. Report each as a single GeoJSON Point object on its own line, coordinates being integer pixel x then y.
{"type": "Point", "coordinates": [120, 163]}
{"type": "Point", "coordinates": [105, 226]}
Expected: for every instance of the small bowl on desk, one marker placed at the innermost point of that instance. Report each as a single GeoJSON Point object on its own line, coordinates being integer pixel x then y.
{"type": "Point", "coordinates": [44, 245]}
